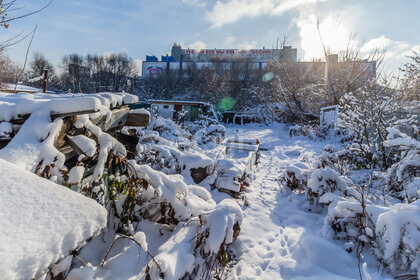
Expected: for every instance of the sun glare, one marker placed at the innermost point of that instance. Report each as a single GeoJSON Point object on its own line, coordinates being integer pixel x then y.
{"type": "Point", "coordinates": [334, 35]}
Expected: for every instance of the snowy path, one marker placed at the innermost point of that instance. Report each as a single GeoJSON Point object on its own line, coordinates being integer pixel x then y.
{"type": "Point", "coordinates": [280, 238]}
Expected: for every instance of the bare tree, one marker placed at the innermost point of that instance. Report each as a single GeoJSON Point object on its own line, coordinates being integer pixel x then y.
{"type": "Point", "coordinates": [410, 83]}
{"type": "Point", "coordinates": [8, 69]}
{"type": "Point", "coordinates": [347, 71]}
{"type": "Point", "coordinates": [8, 12]}
{"type": "Point", "coordinates": [37, 65]}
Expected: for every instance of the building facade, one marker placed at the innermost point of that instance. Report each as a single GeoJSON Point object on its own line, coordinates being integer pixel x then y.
{"type": "Point", "coordinates": [243, 64]}
{"type": "Point", "coordinates": [183, 62]}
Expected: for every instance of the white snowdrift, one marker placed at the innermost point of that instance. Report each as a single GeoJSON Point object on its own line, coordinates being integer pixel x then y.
{"type": "Point", "coordinates": [14, 105]}
{"type": "Point", "coordinates": [41, 222]}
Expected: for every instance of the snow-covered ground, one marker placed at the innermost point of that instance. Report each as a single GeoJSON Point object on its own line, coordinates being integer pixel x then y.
{"type": "Point", "coordinates": [41, 223]}
{"type": "Point", "coordinates": [280, 238]}
{"type": "Point", "coordinates": [280, 231]}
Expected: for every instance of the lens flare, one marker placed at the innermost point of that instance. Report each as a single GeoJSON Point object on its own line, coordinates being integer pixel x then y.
{"type": "Point", "coordinates": [267, 77]}
{"type": "Point", "coordinates": [227, 103]}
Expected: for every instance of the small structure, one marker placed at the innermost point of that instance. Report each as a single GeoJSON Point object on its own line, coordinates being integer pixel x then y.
{"type": "Point", "coordinates": [241, 157]}
{"type": "Point", "coordinates": [329, 116]}
{"type": "Point", "coordinates": [181, 110]}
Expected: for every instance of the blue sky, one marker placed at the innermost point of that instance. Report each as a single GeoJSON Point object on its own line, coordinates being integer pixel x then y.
{"type": "Point", "coordinates": [151, 27]}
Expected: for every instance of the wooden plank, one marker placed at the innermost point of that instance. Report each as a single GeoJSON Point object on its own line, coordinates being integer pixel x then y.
{"type": "Point", "coordinates": [118, 119]}
{"type": "Point", "coordinates": [138, 120]}
{"type": "Point", "coordinates": [74, 146]}
{"type": "Point", "coordinates": [70, 114]}
{"type": "Point", "coordinates": [22, 118]}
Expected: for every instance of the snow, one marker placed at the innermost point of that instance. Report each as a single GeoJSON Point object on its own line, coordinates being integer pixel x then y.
{"type": "Point", "coordinates": [320, 179]}
{"type": "Point", "coordinates": [283, 235]}
{"type": "Point", "coordinates": [76, 174]}
{"type": "Point", "coordinates": [169, 188]}
{"type": "Point", "coordinates": [106, 142]}
{"type": "Point", "coordinates": [84, 273]}
{"type": "Point", "coordinates": [41, 222]}
{"type": "Point", "coordinates": [87, 145]}
{"type": "Point", "coordinates": [402, 219]}
{"type": "Point", "coordinates": [14, 105]}
{"type": "Point", "coordinates": [175, 256]}
{"type": "Point", "coordinates": [35, 143]}
{"type": "Point", "coordinates": [63, 266]}
{"type": "Point", "coordinates": [5, 129]}
{"type": "Point", "coordinates": [280, 238]}
{"type": "Point", "coordinates": [229, 171]}
{"type": "Point", "coordinates": [190, 160]}
{"type": "Point", "coordinates": [140, 111]}
{"type": "Point", "coordinates": [240, 146]}
{"type": "Point", "coordinates": [220, 222]}
{"type": "Point", "coordinates": [21, 87]}
{"type": "Point", "coordinates": [140, 238]}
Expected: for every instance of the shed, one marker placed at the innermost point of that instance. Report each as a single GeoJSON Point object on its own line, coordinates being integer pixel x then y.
{"type": "Point", "coordinates": [181, 110]}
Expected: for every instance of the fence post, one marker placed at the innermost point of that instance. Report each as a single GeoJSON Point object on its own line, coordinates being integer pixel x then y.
{"type": "Point", "coordinates": [44, 88]}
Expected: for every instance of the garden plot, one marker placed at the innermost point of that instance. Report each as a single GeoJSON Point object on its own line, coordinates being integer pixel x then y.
{"type": "Point", "coordinates": [240, 157]}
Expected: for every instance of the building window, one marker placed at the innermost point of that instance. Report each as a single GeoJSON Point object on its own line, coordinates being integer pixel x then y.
{"type": "Point", "coordinates": [165, 106]}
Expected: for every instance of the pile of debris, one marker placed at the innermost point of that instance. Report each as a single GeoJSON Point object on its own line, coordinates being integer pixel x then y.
{"type": "Point", "coordinates": [66, 131]}
{"type": "Point", "coordinates": [67, 139]}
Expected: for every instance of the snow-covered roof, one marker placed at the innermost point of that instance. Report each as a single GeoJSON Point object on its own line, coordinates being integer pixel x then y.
{"type": "Point", "coordinates": [177, 102]}
{"type": "Point", "coordinates": [19, 88]}
{"type": "Point", "coordinates": [41, 222]}
{"type": "Point", "coordinates": [13, 106]}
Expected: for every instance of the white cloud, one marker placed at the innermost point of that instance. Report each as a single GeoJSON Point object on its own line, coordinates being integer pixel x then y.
{"type": "Point", "coordinates": [230, 42]}
{"type": "Point", "coordinates": [247, 45]}
{"type": "Point", "coordinates": [376, 43]}
{"type": "Point", "coordinates": [196, 45]}
{"type": "Point", "coordinates": [225, 12]}
{"type": "Point", "coordinates": [241, 43]}
{"type": "Point", "coordinates": [409, 52]}
{"type": "Point", "coordinates": [393, 49]}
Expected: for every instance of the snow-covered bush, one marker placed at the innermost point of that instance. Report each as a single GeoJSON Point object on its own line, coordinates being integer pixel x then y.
{"type": "Point", "coordinates": [398, 238]}
{"type": "Point", "coordinates": [171, 131]}
{"type": "Point", "coordinates": [313, 132]}
{"type": "Point", "coordinates": [391, 233]}
{"type": "Point", "coordinates": [215, 133]}
{"type": "Point", "coordinates": [368, 112]}
{"type": "Point", "coordinates": [357, 156]}
{"type": "Point", "coordinates": [160, 157]}
{"type": "Point", "coordinates": [328, 158]}
{"type": "Point", "coordinates": [352, 221]}
{"type": "Point", "coordinates": [324, 185]}
{"type": "Point", "coordinates": [403, 177]}
{"type": "Point", "coordinates": [296, 176]}
{"type": "Point", "coordinates": [166, 198]}
{"type": "Point", "coordinates": [199, 247]}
